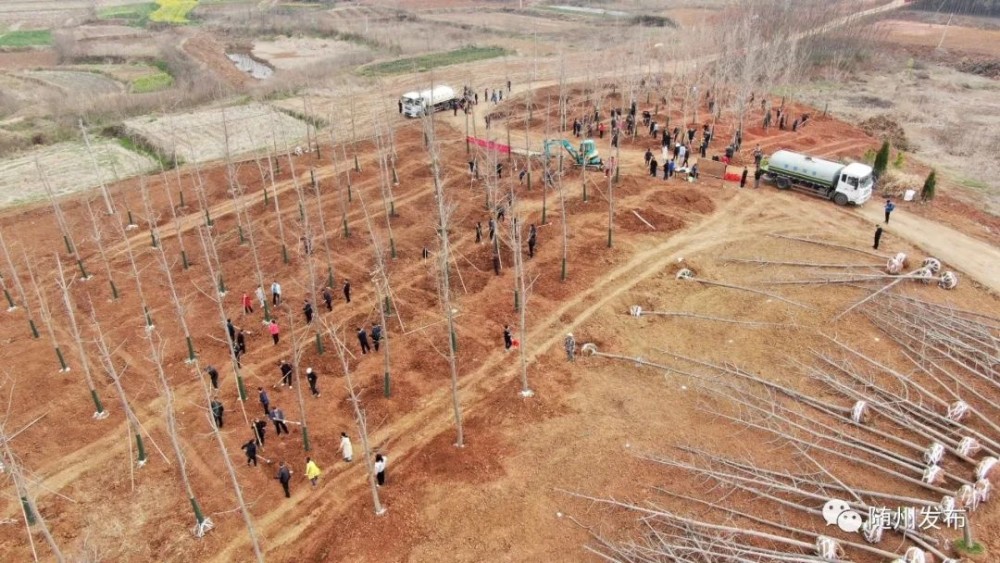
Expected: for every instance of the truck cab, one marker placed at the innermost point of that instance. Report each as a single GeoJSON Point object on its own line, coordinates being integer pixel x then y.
{"type": "Point", "coordinates": [413, 104]}
{"type": "Point", "coordinates": [855, 184]}
{"type": "Point", "coordinates": [842, 183]}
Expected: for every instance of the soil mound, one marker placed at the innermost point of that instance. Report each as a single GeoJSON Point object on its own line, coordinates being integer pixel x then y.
{"type": "Point", "coordinates": [884, 127]}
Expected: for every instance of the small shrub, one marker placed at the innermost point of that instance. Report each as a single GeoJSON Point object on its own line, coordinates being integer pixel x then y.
{"type": "Point", "coordinates": [899, 161]}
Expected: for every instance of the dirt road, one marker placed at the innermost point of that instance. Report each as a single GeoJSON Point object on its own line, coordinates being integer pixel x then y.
{"type": "Point", "coordinates": [977, 259]}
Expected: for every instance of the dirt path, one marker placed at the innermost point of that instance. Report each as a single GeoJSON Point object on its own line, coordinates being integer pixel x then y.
{"type": "Point", "coordinates": [977, 259]}
{"type": "Point", "coordinates": [729, 223]}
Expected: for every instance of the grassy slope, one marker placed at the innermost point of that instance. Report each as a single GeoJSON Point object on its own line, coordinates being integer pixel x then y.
{"type": "Point", "coordinates": [433, 60]}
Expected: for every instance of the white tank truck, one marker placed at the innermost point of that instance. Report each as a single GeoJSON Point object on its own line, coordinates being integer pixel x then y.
{"type": "Point", "coordinates": [417, 104]}
{"type": "Point", "coordinates": [843, 183]}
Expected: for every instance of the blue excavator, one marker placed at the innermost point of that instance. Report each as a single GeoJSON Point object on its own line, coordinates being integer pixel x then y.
{"type": "Point", "coordinates": [586, 155]}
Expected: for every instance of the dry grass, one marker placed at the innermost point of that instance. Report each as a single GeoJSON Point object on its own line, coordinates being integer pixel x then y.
{"type": "Point", "coordinates": [951, 119]}
{"type": "Point", "coordinates": [68, 168]}
{"type": "Point", "coordinates": [198, 136]}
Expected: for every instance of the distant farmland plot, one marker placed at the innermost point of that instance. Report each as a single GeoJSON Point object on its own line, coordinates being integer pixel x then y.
{"type": "Point", "coordinates": [433, 60]}
{"type": "Point", "coordinates": [89, 83]}
{"type": "Point", "coordinates": [134, 14]}
{"type": "Point", "coordinates": [68, 169]}
{"type": "Point", "coordinates": [27, 38]}
{"type": "Point", "coordinates": [502, 21]}
{"type": "Point", "coordinates": [198, 136]}
{"type": "Point", "coordinates": [173, 11]}
{"type": "Point", "coordinates": [139, 77]}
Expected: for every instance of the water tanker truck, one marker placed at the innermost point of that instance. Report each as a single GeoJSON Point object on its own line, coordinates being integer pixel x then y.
{"type": "Point", "coordinates": [843, 183]}
{"type": "Point", "coordinates": [418, 104]}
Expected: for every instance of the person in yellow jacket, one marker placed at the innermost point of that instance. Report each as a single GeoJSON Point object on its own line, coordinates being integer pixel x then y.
{"type": "Point", "coordinates": [312, 471]}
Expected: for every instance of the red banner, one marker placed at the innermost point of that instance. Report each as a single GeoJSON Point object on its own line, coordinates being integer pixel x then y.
{"type": "Point", "coordinates": [489, 145]}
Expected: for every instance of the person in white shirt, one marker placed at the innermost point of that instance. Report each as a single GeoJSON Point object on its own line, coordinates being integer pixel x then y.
{"type": "Point", "coordinates": [276, 294]}
{"type": "Point", "coordinates": [345, 447]}
{"type": "Point", "coordinates": [260, 296]}
{"type": "Point", "coordinates": [380, 462]}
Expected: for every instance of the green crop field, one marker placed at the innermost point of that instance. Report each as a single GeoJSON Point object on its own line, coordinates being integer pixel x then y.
{"type": "Point", "coordinates": [27, 38]}
{"type": "Point", "coordinates": [134, 14]}
{"type": "Point", "coordinates": [433, 60]}
{"type": "Point", "coordinates": [173, 11]}
{"type": "Point", "coordinates": [152, 82]}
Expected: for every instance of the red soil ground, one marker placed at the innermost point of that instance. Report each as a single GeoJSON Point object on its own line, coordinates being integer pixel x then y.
{"type": "Point", "coordinates": [498, 497]}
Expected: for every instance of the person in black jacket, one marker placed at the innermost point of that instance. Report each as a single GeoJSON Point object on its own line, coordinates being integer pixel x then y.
{"type": "Point", "coordinates": [251, 449]}
{"type": "Point", "coordinates": [286, 373]}
{"type": "Point", "coordinates": [363, 340]}
{"type": "Point", "coordinates": [311, 378]}
{"type": "Point", "coordinates": [259, 430]}
{"type": "Point", "coordinates": [376, 335]}
{"type": "Point", "coordinates": [285, 477]}
{"type": "Point", "coordinates": [213, 374]}
{"type": "Point", "coordinates": [307, 311]}
{"type": "Point", "coordinates": [217, 410]}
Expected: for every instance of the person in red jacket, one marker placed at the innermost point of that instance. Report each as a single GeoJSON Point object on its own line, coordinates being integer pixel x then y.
{"type": "Point", "coordinates": [275, 331]}
{"type": "Point", "coordinates": [247, 304]}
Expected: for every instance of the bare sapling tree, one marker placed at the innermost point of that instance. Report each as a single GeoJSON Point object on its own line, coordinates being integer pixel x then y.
{"type": "Point", "coordinates": [178, 232]}
{"type": "Point", "coordinates": [165, 266]}
{"type": "Point", "coordinates": [29, 509]}
{"type": "Point", "coordinates": [46, 315]}
{"type": "Point", "coordinates": [81, 350]}
{"type": "Point", "coordinates": [385, 185]}
{"type": "Point", "coordinates": [344, 189]}
{"type": "Point", "coordinates": [565, 227]}
{"type": "Point", "coordinates": [520, 290]}
{"type": "Point", "coordinates": [20, 289]}
{"type": "Point", "coordinates": [96, 234]}
{"type": "Point", "coordinates": [67, 234]}
{"type": "Point", "coordinates": [494, 196]}
{"type": "Point", "coordinates": [202, 523]}
{"type": "Point", "coordinates": [230, 470]}
{"type": "Point", "coordinates": [612, 171]}
{"type": "Point", "coordinates": [360, 419]}
{"type": "Point", "coordinates": [208, 249]}
{"type": "Point", "coordinates": [135, 275]}
{"type": "Point", "coordinates": [297, 352]}
{"type": "Point", "coordinates": [231, 176]}
{"type": "Point", "coordinates": [199, 374]}
{"type": "Point", "coordinates": [327, 250]}
{"type": "Point", "coordinates": [258, 272]}
{"type": "Point", "coordinates": [563, 97]}
{"type": "Point", "coordinates": [11, 305]}
{"type": "Point", "coordinates": [97, 170]}
{"type": "Point", "coordinates": [354, 134]}
{"type": "Point", "coordinates": [151, 218]}
{"type": "Point", "coordinates": [307, 250]}
{"type": "Point", "coordinates": [281, 223]}
{"type": "Point", "coordinates": [107, 361]}
{"type": "Point", "coordinates": [380, 281]}
{"type": "Point", "coordinates": [445, 211]}
{"type": "Point", "coordinates": [391, 136]}
{"type": "Point", "coordinates": [199, 192]}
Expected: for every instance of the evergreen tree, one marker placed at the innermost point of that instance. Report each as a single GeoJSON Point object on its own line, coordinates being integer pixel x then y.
{"type": "Point", "coordinates": [927, 192]}
{"type": "Point", "coordinates": [881, 160]}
